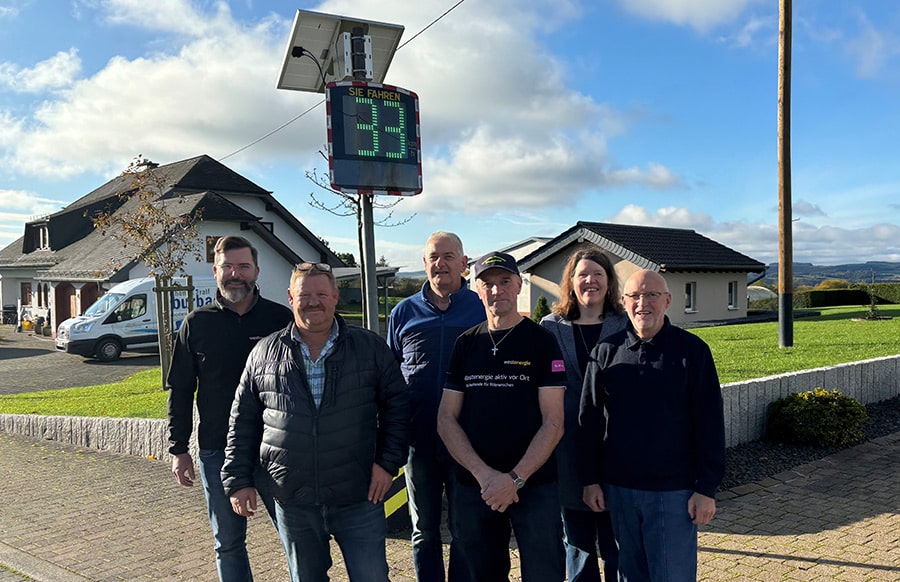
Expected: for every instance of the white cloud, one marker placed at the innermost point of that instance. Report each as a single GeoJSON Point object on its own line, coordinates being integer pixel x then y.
{"type": "Point", "coordinates": [18, 207]}
{"type": "Point", "coordinates": [871, 49]}
{"type": "Point", "coordinates": [700, 15]}
{"type": "Point", "coordinates": [655, 176]}
{"type": "Point", "coordinates": [756, 30]}
{"type": "Point", "coordinates": [806, 208]}
{"type": "Point", "coordinates": [10, 130]}
{"type": "Point", "coordinates": [56, 72]}
{"type": "Point", "coordinates": [820, 245]}
{"type": "Point", "coordinates": [31, 204]}
{"type": "Point", "coordinates": [213, 92]}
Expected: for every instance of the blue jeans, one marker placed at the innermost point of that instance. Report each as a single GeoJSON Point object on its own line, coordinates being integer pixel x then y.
{"type": "Point", "coordinates": [426, 477]}
{"type": "Point", "coordinates": [359, 529]}
{"type": "Point", "coordinates": [585, 532]}
{"type": "Point", "coordinates": [657, 540]}
{"type": "Point", "coordinates": [484, 534]}
{"type": "Point", "coordinates": [229, 529]}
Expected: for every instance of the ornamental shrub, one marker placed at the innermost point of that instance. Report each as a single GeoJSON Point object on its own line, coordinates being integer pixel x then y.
{"type": "Point", "coordinates": [819, 418]}
{"type": "Point", "coordinates": [540, 309]}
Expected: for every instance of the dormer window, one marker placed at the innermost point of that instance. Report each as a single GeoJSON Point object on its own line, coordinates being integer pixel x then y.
{"type": "Point", "coordinates": [42, 237]}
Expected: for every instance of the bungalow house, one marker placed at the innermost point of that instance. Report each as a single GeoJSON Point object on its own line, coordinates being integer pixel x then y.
{"type": "Point", "coordinates": [62, 264]}
{"type": "Point", "coordinates": [708, 280]}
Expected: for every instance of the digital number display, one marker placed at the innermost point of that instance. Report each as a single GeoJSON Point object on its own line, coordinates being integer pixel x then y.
{"type": "Point", "coordinates": [375, 129]}
{"type": "Point", "coordinates": [374, 138]}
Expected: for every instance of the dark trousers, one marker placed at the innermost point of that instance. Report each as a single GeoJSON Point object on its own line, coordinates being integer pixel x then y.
{"type": "Point", "coordinates": [586, 532]}
{"type": "Point", "coordinates": [427, 475]}
{"type": "Point", "coordinates": [484, 534]}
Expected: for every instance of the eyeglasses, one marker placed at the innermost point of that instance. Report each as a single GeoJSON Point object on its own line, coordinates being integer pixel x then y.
{"type": "Point", "coordinates": [241, 268]}
{"type": "Point", "coordinates": [307, 267]}
{"type": "Point", "coordinates": [650, 296]}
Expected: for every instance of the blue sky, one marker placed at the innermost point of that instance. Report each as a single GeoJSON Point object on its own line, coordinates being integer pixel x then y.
{"type": "Point", "coordinates": [535, 114]}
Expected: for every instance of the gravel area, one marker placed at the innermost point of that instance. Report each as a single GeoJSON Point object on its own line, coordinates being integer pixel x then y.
{"type": "Point", "coordinates": [757, 460]}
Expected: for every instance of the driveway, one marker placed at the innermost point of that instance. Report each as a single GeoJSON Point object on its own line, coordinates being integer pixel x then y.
{"type": "Point", "coordinates": [29, 363]}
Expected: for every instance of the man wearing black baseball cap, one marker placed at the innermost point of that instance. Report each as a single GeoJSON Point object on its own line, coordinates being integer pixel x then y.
{"type": "Point", "coordinates": [501, 417]}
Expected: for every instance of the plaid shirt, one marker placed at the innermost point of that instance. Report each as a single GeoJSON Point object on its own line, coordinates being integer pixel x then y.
{"type": "Point", "coordinates": [315, 369]}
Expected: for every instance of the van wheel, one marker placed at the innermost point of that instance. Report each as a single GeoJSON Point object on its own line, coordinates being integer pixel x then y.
{"type": "Point", "coordinates": [108, 350]}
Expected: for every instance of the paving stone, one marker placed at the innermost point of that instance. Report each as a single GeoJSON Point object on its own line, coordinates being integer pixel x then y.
{"type": "Point", "coordinates": [105, 516]}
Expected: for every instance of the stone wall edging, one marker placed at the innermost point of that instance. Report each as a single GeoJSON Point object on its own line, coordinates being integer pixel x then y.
{"type": "Point", "coordinates": [746, 403]}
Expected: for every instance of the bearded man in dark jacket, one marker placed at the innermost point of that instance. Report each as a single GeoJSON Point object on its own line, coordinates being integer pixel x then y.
{"type": "Point", "coordinates": [323, 408]}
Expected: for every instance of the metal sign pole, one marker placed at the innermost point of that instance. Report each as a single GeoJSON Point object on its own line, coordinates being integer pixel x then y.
{"type": "Point", "coordinates": [370, 285]}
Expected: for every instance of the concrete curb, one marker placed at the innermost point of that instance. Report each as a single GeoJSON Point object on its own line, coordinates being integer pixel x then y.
{"type": "Point", "coordinates": [139, 437]}
{"type": "Point", "coordinates": [35, 568]}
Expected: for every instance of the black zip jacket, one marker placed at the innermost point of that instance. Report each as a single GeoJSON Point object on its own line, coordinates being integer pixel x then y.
{"type": "Point", "coordinates": [210, 351]}
{"type": "Point", "coordinates": [318, 455]}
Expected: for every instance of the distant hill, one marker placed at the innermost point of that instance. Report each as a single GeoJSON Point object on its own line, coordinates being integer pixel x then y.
{"type": "Point", "coordinates": [809, 274]}
{"type": "Point", "coordinates": [412, 274]}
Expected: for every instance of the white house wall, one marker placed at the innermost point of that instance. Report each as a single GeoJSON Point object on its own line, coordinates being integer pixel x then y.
{"type": "Point", "coordinates": [11, 284]}
{"type": "Point", "coordinates": [712, 289]}
{"type": "Point", "coordinates": [274, 270]}
{"type": "Point", "coordinates": [280, 227]}
{"type": "Point", "coordinates": [712, 296]}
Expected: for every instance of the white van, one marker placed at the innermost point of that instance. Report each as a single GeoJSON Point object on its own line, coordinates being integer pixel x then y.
{"type": "Point", "coordinates": [124, 319]}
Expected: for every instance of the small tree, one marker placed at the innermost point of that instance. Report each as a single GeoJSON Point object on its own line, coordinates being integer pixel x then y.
{"type": "Point", "coordinates": [872, 312]}
{"type": "Point", "coordinates": [351, 205]}
{"type": "Point", "coordinates": [540, 309]}
{"type": "Point", "coordinates": [154, 230]}
{"type": "Point", "coordinates": [348, 259]}
{"type": "Point", "coordinates": [157, 231]}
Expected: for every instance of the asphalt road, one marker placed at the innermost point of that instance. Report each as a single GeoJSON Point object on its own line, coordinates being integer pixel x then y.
{"type": "Point", "coordinates": [30, 363]}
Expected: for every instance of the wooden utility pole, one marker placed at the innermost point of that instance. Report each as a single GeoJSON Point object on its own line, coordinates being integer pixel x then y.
{"type": "Point", "coordinates": [785, 244]}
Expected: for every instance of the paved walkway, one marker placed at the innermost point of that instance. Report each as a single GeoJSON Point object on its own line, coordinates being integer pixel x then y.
{"type": "Point", "coordinates": [75, 514]}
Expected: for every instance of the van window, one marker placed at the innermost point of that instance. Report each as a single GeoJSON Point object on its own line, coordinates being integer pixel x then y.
{"type": "Point", "coordinates": [131, 308]}
{"type": "Point", "coordinates": [103, 304]}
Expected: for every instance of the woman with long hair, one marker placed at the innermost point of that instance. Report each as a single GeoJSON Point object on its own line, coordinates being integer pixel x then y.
{"type": "Point", "coordinates": [588, 311]}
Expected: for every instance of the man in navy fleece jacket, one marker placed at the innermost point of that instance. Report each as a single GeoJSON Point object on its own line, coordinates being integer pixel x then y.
{"type": "Point", "coordinates": [652, 436]}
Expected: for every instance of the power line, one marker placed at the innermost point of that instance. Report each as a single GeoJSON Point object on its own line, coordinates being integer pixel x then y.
{"type": "Point", "coordinates": [433, 22]}
{"type": "Point", "coordinates": [274, 131]}
{"type": "Point", "coordinates": [290, 121]}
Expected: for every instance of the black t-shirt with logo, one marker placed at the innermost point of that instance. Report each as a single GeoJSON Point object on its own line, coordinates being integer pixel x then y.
{"type": "Point", "coordinates": [501, 413]}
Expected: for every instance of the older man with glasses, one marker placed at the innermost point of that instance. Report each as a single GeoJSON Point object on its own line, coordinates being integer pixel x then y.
{"type": "Point", "coordinates": [323, 408]}
{"type": "Point", "coordinates": [652, 437]}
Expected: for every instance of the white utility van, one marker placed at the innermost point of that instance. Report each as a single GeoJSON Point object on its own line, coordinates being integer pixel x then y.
{"type": "Point", "coordinates": [124, 319]}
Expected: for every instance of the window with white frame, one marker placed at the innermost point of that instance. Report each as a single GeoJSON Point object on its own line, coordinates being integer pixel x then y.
{"type": "Point", "coordinates": [732, 295]}
{"type": "Point", "coordinates": [690, 296]}
{"type": "Point", "coordinates": [42, 237]}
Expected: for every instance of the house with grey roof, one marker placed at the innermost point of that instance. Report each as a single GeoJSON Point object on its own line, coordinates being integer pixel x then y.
{"type": "Point", "coordinates": [708, 280]}
{"type": "Point", "coordinates": [62, 264]}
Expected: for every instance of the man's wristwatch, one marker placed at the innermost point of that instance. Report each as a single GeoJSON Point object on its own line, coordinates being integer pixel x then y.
{"type": "Point", "coordinates": [517, 480]}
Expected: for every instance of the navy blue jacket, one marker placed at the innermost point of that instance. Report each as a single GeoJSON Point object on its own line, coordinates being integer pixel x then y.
{"type": "Point", "coordinates": [422, 338]}
{"type": "Point", "coordinates": [651, 414]}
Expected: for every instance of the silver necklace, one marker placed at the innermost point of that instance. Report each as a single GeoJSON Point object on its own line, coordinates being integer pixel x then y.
{"type": "Point", "coordinates": [580, 330]}
{"type": "Point", "coordinates": [497, 343]}
{"type": "Point", "coordinates": [581, 335]}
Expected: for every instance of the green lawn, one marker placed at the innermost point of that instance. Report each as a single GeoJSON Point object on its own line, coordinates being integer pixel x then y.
{"type": "Point", "coordinates": [742, 352]}
{"type": "Point", "coordinates": [138, 396]}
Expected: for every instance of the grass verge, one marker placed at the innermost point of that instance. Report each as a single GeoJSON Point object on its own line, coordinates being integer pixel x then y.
{"type": "Point", "coordinates": [138, 396]}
